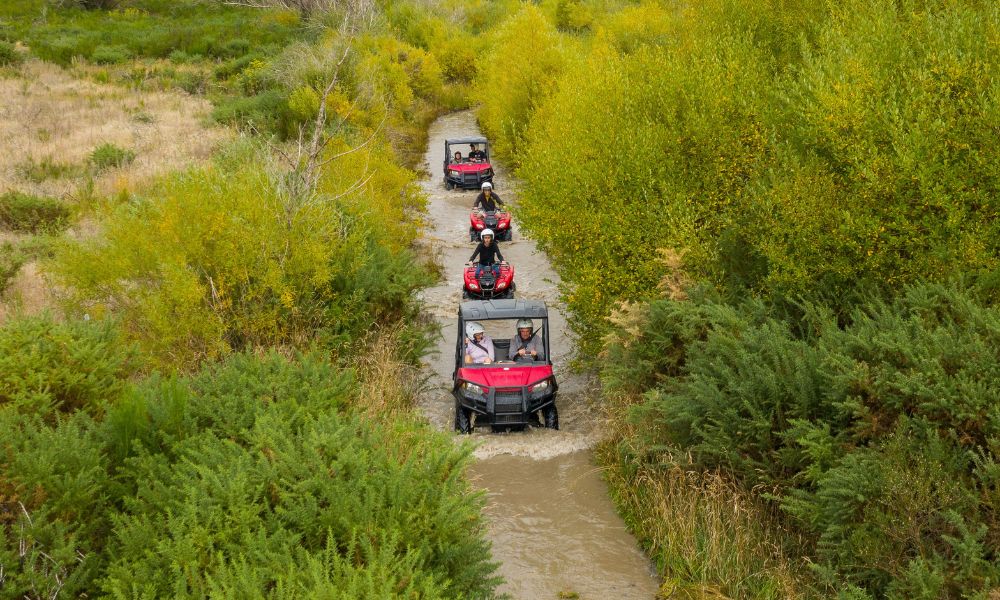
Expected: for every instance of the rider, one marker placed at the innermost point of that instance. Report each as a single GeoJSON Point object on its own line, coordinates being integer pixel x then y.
{"type": "Point", "coordinates": [478, 345]}
{"type": "Point", "coordinates": [488, 252]}
{"type": "Point", "coordinates": [486, 199]}
{"type": "Point", "coordinates": [458, 157]}
{"type": "Point", "coordinates": [476, 154]}
{"type": "Point", "coordinates": [525, 344]}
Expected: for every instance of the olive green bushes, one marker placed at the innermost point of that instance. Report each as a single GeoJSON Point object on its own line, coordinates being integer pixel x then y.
{"type": "Point", "coordinates": [878, 440]}
{"type": "Point", "coordinates": [221, 259]}
{"type": "Point", "coordinates": [252, 479]}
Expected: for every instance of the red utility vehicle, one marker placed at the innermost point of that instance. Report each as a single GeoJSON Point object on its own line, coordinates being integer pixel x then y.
{"type": "Point", "coordinates": [467, 173]}
{"type": "Point", "coordinates": [503, 393]}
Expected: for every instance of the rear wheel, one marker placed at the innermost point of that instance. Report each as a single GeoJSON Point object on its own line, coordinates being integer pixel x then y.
{"type": "Point", "coordinates": [551, 416]}
{"type": "Point", "coordinates": [463, 418]}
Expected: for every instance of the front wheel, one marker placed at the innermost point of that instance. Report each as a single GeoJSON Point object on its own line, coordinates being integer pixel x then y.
{"type": "Point", "coordinates": [551, 416]}
{"type": "Point", "coordinates": [449, 185]}
{"type": "Point", "coordinates": [463, 418]}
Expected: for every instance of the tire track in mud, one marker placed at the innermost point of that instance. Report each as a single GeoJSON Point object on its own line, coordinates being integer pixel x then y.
{"type": "Point", "coordinates": [554, 529]}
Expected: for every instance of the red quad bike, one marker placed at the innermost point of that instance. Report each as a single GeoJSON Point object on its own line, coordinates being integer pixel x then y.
{"type": "Point", "coordinates": [503, 394]}
{"type": "Point", "coordinates": [467, 174]}
{"type": "Point", "coordinates": [497, 220]}
{"type": "Point", "coordinates": [488, 286]}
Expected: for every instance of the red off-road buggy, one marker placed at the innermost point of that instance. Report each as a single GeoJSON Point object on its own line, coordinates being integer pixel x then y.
{"type": "Point", "coordinates": [504, 393]}
{"type": "Point", "coordinates": [467, 173]}
{"type": "Point", "coordinates": [488, 286]}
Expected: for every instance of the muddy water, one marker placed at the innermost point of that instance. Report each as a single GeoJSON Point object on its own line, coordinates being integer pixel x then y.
{"type": "Point", "coordinates": [553, 528]}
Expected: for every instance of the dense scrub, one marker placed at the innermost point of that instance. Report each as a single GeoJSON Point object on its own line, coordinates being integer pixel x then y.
{"type": "Point", "coordinates": [223, 405]}
{"type": "Point", "coordinates": [252, 479]}
{"type": "Point", "coordinates": [803, 182]}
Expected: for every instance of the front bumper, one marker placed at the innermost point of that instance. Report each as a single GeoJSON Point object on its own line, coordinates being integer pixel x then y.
{"type": "Point", "coordinates": [506, 407]}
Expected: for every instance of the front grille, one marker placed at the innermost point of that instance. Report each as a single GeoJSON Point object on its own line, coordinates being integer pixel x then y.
{"type": "Point", "coordinates": [508, 401]}
{"type": "Point", "coordinates": [514, 419]}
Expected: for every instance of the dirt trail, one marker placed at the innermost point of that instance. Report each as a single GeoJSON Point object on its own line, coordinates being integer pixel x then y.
{"type": "Point", "coordinates": [552, 525]}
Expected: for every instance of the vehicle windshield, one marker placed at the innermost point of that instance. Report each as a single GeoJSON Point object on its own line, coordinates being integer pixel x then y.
{"type": "Point", "coordinates": [508, 344]}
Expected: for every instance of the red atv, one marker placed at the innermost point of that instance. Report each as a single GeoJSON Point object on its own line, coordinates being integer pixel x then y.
{"type": "Point", "coordinates": [502, 392]}
{"type": "Point", "coordinates": [467, 163]}
{"type": "Point", "coordinates": [497, 220]}
{"type": "Point", "coordinates": [488, 285]}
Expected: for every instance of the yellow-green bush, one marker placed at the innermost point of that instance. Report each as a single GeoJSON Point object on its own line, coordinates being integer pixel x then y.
{"type": "Point", "coordinates": [220, 258]}
{"type": "Point", "coordinates": [517, 73]}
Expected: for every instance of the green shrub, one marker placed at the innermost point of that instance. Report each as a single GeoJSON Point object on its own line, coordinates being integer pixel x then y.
{"type": "Point", "coordinates": [11, 261]}
{"type": "Point", "coordinates": [109, 156]}
{"type": "Point", "coordinates": [877, 439]}
{"type": "Point", "coordinates": [220, 259]}
{"type": "Point", "coordinates": [110, 55]}
{"type": "Point", "coordinates": [47, 366]}
{"type": "Point", "coordinates": [265, 110]}
{"type": "Point", "coordinates": [9, 55]}
{"type": "Point", "coordinates": [32, 214]}
{"type": "Point", "coordinates": [46, 168]}
{"type": "Point", "coordinates": [251, 479]}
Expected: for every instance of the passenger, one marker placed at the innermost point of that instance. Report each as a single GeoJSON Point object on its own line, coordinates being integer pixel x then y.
{"type": "Point", "coordinates": [486, 199]}
{"type": "Point", "coordinates": [488, 252]}
{"type": "Point", "coordinates": [478, 345]}
{"type": "Point", "coordinates": [458, 157]}
{"type": "Point", "coordinates": [525, 345]}
{"type": "Point", "coordinates": [476, 154]}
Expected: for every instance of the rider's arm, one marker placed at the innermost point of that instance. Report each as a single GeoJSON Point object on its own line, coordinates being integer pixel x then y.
{"type": "Point", "coordinates": [497, 246]}
{"type": "Point", "coordinates": [479, 249]}
{"type": "Point", "coordinates": [479, 200]}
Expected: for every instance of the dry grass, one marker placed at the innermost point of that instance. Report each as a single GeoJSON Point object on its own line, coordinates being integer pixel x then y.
{"type": "Point", "coordinates": [46, 115]}
{"type": "Point", "coordinates": [709, 538]}
{"type": "Point", "coordinates": [389, 386]}
{"type": "Point", "coordinates": [50, 122]}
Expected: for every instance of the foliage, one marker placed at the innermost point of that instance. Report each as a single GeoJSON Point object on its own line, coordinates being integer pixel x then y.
{"type": "Point", "coordinates": [9, 55]}
{"type": "Point", "coordinates": [47, 366]}
{"type": "Point", "coordinates": [27, 213]}
{"type": "Point", "coordinates": [108, 156]}
{"type": "Point", "coordinates": [222, 259]}
{"type": "Point", "coordinates": [788, 152]}
{"type": "Point", "coordinates": [878, 440]}
{"type": "Point", "coordinates": [533, 56]}
{"type": "Point", "coordinates": [251, 479]}
{"type": "Point", "coordinates": [146, 28]}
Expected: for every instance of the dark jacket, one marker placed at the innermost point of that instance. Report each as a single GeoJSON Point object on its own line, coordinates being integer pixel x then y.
{"type": "Point", "coordinates": [485, 204]}
{"type": "Point", "coordinates": [487, 254]}
{"type": "Point", "coordinates": [477, 154]}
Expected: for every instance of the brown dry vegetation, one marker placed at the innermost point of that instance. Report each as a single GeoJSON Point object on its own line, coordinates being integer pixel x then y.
{"type": "Point", "coordinates": [46, 114]}
{"type": "Point", "coordinates": [49, 116]}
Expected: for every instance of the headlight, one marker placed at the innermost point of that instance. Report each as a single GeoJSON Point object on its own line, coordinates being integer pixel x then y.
{"type": "Point", "coordinates": [501, 285]}
{"type": "Point", "coordinates": [453, 173]}
{"type": "Point", "coordinates": [540, 387]}
{"type": "Point", "coordinates": [473, 286]}
{"type": "Point", "coordinates": [471, 388]}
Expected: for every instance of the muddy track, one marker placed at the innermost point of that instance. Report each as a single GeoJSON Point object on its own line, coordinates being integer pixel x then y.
{"type": "Point", "coordinates": [553, 527]}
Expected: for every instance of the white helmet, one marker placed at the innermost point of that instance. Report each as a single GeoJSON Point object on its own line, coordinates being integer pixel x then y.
{"type": "Point", "coordinates": [472, 328]}
{"type": "Point", "coordinates": [486, 232]}
{"type": "Point", "coordinates": [525, 324]}
{"type": "Point", "coordinates": [487, 186]}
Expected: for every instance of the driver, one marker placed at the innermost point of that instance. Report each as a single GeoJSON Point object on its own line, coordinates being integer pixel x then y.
{"type": "Point", "coordinates": [525, 345]}
{"type": "Point", "coordinates": [476, 154]}
{"type": "Point", "coordinates": [478, 345]}
{"type": "Point", "coordinates": [488, 252]}
{"type": "Point", "coordinates": [486, 199]}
